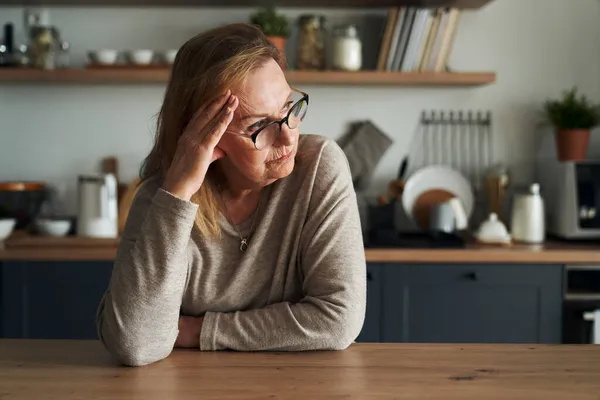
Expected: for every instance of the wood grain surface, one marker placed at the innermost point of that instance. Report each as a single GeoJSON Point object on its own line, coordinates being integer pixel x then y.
{"type": "Point", "coordinates": [161, 75]}
{"type": "Point", "coordinates": [83, 370]}
{"type": "Point", "coordinates": [83, 249]}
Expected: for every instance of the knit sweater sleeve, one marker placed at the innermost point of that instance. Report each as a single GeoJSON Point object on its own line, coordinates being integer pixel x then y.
{"type": "Point", "coordinates": [331, 313]}
{"type": "Point", "coordinates": [138, 316]}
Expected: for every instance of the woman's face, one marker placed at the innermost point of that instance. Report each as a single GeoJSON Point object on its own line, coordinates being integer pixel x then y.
{"type": "Point", "coordinates": [265, 97]}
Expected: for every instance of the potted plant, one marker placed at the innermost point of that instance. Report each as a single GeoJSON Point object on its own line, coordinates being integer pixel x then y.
{"type": "Point", "coordinates": [572, 116]}
{"type": "Point", "coordinates": [274, 25]}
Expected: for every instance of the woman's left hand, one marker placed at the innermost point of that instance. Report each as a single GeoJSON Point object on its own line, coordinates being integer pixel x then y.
{"type": "Point", "coordinates": [189, 332]}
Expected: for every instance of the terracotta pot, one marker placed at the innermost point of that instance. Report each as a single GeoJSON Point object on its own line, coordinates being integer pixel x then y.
{"type": "Point", "coordinates": [278, 42]}
{"type": "Point", "coordinates": [572, 144]}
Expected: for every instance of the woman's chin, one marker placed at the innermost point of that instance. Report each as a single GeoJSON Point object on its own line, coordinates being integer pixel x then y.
{"type": "Point", "coordinates": [279, 169]}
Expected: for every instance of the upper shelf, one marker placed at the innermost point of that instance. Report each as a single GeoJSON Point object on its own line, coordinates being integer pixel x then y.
{"type": "Point", "coordinates": [245, 3]}
{"type": "Point", "coordinates": [161, 75]}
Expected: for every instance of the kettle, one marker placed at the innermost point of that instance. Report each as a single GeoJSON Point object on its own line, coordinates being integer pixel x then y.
{"type": "Point", "coordinates": [527, 219]}
{"type": "Point", "coordinates": [97, 214]}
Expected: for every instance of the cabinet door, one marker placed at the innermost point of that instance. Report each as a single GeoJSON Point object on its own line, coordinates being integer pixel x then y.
{"type": "Point", "coordinates": [52, 300]}
{"type": "Point", "coordinates": [474, 303]}
{"type": "Point", "coordinates": [371, 331]}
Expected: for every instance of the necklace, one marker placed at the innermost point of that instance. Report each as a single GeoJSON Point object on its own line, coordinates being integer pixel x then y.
{"type": "Point", "coordinates": [243, 240]}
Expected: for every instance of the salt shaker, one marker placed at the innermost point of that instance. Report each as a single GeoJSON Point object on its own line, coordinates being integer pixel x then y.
{"type": "Point", "coordinates": [346, 49]}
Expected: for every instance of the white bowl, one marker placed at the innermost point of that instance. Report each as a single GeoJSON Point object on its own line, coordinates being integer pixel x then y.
{"type": "Point", "coordinates": [104, 57]}
{"type": "Point", "coordinates": [141, 57]}
{"type": "Point", "coordinates": [170, 56]}
{"type": "Point", "coordinates": [6, 227]}
{"type": "Point", "coordinates": [51, 227]}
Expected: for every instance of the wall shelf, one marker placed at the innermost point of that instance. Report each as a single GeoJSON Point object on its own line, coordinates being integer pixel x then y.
{"type": "Point", "coordinates": [245, 3]}
{"type": "Point", "coordinates": [161, 75]}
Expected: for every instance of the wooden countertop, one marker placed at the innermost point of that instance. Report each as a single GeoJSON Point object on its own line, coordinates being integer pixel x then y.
{"type": "Point", "coordinates": [33, 369]}
{"type": "Point", "coordinates": [82, 249]}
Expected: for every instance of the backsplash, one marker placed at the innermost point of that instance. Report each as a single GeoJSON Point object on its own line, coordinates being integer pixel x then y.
{"type": "Point", "coordinates": [53, 133]}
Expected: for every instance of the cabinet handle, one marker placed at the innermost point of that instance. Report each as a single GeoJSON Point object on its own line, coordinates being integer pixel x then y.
{"type": "Point", "coordinates": [471, 276]}
{"type": "Point", "coordinates": [369, 276]}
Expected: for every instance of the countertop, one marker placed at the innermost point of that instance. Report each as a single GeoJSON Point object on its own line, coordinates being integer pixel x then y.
{"type": "Point", "coordinates": [31, 369]}
{"type": "Point", "coordinates": [32, 248]}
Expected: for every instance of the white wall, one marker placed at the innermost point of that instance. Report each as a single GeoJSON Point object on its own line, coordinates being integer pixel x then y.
{"type": "Point", "coordinates": [537, 47]}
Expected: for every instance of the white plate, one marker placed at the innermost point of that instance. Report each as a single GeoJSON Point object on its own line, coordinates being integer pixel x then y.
{"type": "Point", "coordinates": [437, 177]}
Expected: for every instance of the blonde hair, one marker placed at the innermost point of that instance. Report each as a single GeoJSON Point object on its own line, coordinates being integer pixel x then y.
{"type": "Point", "coordinates": [205, 67]}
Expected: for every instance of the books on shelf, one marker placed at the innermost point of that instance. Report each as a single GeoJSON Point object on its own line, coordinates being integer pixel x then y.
{"type": "Point", "coordinates": [418, 39]}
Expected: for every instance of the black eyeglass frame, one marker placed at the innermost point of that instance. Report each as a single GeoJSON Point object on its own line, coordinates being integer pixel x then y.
{"type": "Point", "coordinates": [282, 121]}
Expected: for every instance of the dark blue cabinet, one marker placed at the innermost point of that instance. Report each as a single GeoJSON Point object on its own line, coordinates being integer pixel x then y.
{"type": "Point", "coordinates": [454, 303]}
{"type": "Point", "coordinates": [445, 303]}
{"type": "Point", "coordinates": [51, 300]}
{"type": "Point", "coordinates": [371, 331]}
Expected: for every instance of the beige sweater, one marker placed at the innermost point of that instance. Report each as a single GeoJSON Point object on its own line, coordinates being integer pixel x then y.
{"type": "Point", "coordinates": [301, 285]}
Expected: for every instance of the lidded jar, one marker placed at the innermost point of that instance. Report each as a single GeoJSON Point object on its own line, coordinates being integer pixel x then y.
{"type": "Point", "coordinates": [346, 48]}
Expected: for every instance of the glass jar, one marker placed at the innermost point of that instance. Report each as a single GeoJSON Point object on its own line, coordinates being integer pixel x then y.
{"type": "Point", "coordinates": [44, 47]}
{"type": "Point", "coordinates": [346, 48]}
{"type": "Point", "coordinates": [311, 48]}
{"type": "Point", "coordinates": [64, 59]}
{"type": "Point", "coordinates": [22, 56]}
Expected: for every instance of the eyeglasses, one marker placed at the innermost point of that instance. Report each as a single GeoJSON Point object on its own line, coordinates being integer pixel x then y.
{"type": "Point", "coordinates": [268, 134]}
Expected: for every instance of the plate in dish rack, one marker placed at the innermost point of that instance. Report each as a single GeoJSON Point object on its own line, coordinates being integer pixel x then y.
{"type": "Point", "coordinates": [432, 185]}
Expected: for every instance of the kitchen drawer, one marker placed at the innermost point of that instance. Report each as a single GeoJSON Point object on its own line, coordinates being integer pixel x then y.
{"type": "Point", "coordinates": [484, 274]}
{"type": "Point", "coordinates": [452, 303]}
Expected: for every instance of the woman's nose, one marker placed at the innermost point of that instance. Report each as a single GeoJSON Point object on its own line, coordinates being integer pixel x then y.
{"type": "Point", "coordinates": [286, 137]}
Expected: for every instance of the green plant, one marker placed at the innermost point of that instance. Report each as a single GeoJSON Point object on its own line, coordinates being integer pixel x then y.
{"type": "Point", "coordinates": [271, 22]}
{"type": "Point", "coordinates": [572, 111]}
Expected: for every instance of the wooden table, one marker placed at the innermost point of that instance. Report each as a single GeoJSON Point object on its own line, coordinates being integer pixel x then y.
{"type": "Point", "coordinates": [82, 369]}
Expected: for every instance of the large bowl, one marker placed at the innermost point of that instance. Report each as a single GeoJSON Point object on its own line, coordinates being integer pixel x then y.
{"type": "Point", "coordinates": [21, 201]}
{"type": "Point", "coordinates": [6, 228]}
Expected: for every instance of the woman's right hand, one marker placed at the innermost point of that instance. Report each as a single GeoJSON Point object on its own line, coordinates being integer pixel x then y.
{"type": "Point", "coordinates": [198, 147]}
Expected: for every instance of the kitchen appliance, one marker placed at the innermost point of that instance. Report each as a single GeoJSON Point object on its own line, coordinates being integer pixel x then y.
{"type": "Point", "coordinates": [572, 193]}
{"type": "Point", "coordinates": [528, 216]}
{"type": "Point", "coordinates": [97, 209]}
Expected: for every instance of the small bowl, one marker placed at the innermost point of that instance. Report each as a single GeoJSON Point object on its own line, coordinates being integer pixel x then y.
{"type": "Point", "coordinates": [141, 57]}
{"type": "Point", "coordinates": [104, 57]}
{"type": "Point", "coordinates": [7, 225]}
{"type": "Point", "coordinates": [53, 227]}
{"type": "Point", "coordinates": [170, 56]}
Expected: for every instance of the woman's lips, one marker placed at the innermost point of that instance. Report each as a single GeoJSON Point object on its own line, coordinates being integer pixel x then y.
{"type": "Point", "coordinates": [285, 156]}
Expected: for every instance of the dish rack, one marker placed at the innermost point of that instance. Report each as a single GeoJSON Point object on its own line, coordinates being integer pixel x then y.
{"type": "Point", "coordinates": [460, 139]}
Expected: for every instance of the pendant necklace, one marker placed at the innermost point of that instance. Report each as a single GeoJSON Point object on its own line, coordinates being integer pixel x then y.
{"type": "Point", "coordinates": [243, 240]}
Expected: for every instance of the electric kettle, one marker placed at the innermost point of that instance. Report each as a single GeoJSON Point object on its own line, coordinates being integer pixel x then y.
{"type": "Point", "coordinates": [97, 214]}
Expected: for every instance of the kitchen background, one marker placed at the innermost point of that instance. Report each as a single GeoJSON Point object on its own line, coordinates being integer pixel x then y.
{"type": "Point", "coordinates": [538, 48]}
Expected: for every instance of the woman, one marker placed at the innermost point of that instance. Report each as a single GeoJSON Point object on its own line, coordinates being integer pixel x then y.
{"type": "Point", "coordinates": [244, 235]}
